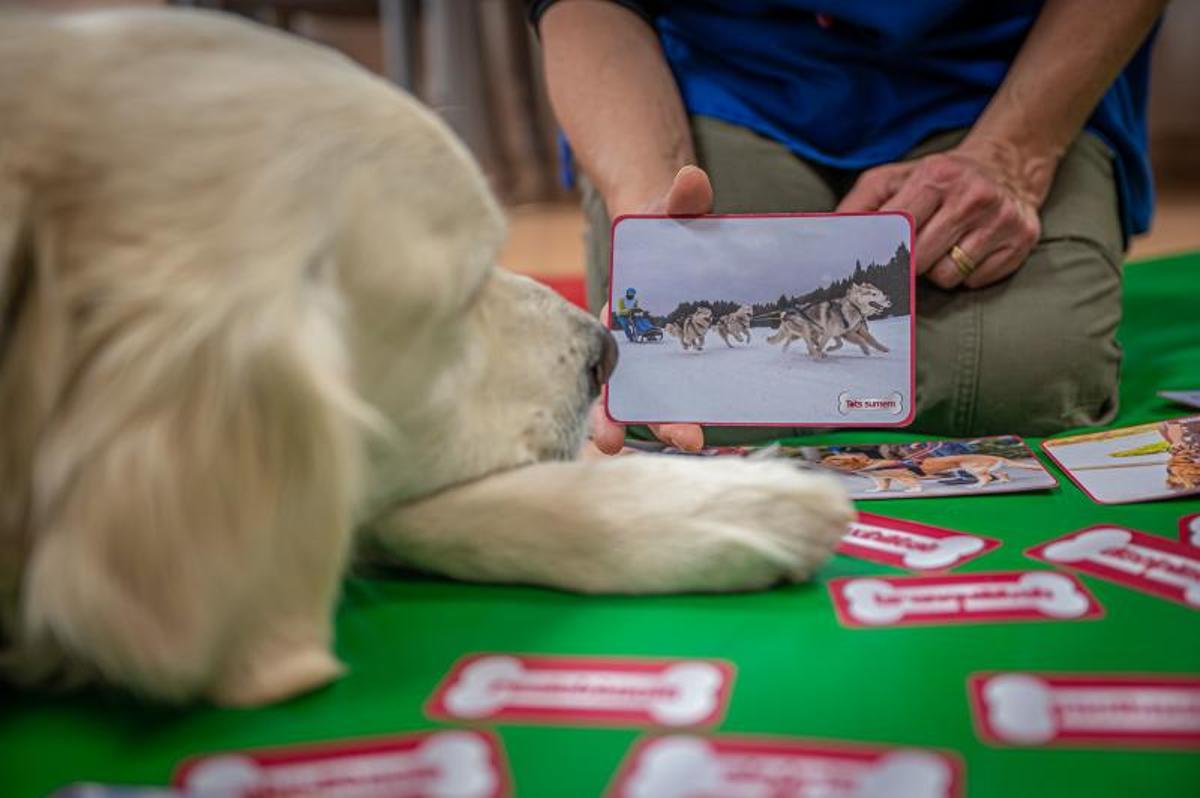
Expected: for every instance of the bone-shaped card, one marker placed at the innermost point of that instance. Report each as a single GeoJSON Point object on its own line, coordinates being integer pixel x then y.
{"type": "Point", "coordinates": [607, 691]}
{"type": "Point", "coordinates": [462, 763]}
{"type": "Point", "coordinates": [687, 766]}
{"type": "Point", "coordinates": [1139, 561]}
{"type": "Point", "coordinates": [96, 790]}
{"type": "Point", "coordinates": [878, 601]}
{"type": "Point", "coordinates": [1189, 530]}
{"type": "Point", "coordinates": [1119, 710]}
{"type": "Point", "coordinates": [911, 545]}
{"type": "Point", "coordinates": [1133, 464]}
{"type": "Point", "coordinates": [780, 319]}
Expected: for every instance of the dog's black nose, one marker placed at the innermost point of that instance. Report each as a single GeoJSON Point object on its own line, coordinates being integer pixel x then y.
{"type": "Point", "coordinates": [601, 366]}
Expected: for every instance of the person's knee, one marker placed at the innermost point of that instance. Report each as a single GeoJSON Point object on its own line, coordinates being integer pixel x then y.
{"type": "Point", "coordinates": [1033, 355]}
{"type": "Point", "coordinates": [1052, 362]}
{"type": "Point", "coordinates": [1065, 383]}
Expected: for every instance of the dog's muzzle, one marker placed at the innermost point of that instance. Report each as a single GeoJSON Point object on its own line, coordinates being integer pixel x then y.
{"type": "Point", "coordinates": [602, 363]}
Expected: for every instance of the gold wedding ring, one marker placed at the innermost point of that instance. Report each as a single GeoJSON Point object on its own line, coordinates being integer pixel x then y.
{"type": "Point", "coordinates": [962, 260]}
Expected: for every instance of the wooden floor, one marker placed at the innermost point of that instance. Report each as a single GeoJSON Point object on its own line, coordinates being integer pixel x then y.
{"type": "Point", "coordinates": [548, 239]}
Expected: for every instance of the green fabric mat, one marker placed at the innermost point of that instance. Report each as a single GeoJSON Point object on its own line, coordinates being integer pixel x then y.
{"type": "Point", "coordinates": [799, 672]}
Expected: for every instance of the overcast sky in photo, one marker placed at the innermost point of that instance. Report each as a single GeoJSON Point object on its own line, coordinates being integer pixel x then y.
{"type": "Point", "coordinates": [745, 259]}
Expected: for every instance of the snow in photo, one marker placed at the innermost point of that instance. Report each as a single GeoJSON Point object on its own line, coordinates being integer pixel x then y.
{"type": "Point", "coordinates": [786, 319]}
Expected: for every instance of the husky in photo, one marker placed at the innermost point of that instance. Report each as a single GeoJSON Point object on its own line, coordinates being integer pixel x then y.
{"type": "Point", "coordinates": [834, 320]}
{"type": "Point", "coordinates": [735, 325]}
{"type": "Point", "coordinates": [692, 330]}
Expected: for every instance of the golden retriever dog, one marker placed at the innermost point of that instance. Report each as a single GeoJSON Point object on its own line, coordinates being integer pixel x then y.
{"type": "Point", "coordinates": [735, 325]}
{"type": "Point", "coordinates": [692, 330]}
{"type": "Point", "coordinates": [249, 319]}
{"type": "Point", "coordinates": [907, 474]}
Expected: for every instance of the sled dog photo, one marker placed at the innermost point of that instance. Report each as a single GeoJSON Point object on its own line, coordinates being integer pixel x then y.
{"type": "Point", "coordinates": [835, 320]}
{"type": "Point", "coordinates": [918, 469]}
{"type": "Point", "coordinates": [735, 325]}
{"type": "Point", "coordinates": [692, 329]}
{"type": "Point", "coordinates": [687, 294]}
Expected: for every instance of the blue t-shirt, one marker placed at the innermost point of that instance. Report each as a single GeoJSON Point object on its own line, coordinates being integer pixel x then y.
{"type": "Point", "coordinates": [876, 78]}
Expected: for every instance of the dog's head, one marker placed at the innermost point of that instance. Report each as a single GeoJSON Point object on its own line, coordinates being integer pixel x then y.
{"type": "Point", "coordinates": [471, 368]}
{"type": "Point", "coordinates": [868, 298]}
{"type": "Point", "coordinates": [702, 316]}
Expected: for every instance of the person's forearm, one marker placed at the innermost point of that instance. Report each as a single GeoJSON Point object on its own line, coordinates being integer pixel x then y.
{"type": "Point", "coordinates": [1070, 58]}
{"type": "Point", "coordinates": [616, 100]}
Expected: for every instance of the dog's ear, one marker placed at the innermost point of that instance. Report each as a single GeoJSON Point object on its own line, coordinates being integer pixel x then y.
{"type": "Point", "coordinates": [193, 505]}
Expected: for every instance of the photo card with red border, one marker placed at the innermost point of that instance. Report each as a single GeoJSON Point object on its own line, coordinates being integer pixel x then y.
{"type": "Point", "coordinates": [908, 470]}
{"type": "Point", "coordinates": [1160, 460]}
{"type": "Point", "coordinates": [763, 319]}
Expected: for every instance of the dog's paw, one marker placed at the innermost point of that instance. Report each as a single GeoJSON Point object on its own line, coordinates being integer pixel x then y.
{"type": "Point", "coordinates": [738, 525]}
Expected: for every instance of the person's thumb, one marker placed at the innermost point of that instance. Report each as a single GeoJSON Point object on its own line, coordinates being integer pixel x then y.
{"type": "Point", "coordinates": [691, 192]}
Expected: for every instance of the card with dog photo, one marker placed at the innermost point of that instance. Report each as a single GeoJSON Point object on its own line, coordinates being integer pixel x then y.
{"type": "Point", "coordinates": [779, 319]}
{"type": "Point", "coordinates": [1133, 464]}
{"type": "Point", "coordinates": [1188, 398]}
{"type": "Point", "coordinates": [964, 467]}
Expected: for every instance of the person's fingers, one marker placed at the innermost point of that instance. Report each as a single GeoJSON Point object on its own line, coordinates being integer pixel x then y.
{"type": "Point", "coordinates": [1015, 234]}
{"type": "Point", "coordinates": [997, 247]}
{"type": "Point", "coordinates": [873, 188]}
{"type": "Point", "coordinates": [690, 193]}
{"type": "Point", "coordinates": [937, 236]}
{"type": "Point", "coordinates": [993, 268]}
{"type": "Point", "coordinates": [688, 437]}
{"type": "Point", "coordinates": [608, 435]}
{"type": "Point", "coordinates": [977, 246]}
{"type": "Point", "coordinates": [920, 200]}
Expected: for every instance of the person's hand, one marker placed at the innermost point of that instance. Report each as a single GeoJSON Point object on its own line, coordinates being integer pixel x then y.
{"type": "Point", "coordinates": [981, 198]}
{"type": "Point", "coordinates": [690, 193]}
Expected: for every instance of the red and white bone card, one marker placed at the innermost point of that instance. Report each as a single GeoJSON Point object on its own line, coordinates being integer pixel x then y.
{"type": "Point", "coordinates": [1189, 530]}
{"type": "Point", "coordinates": [961, 598]}
{"type": "Point", "coordinates": [1142, 562]}
{"type": "Point", "coordinates": [909, 544]}
{"type": "Point", "coordinates": [438, 763]}
{"type": "Point", "coordinates": [1033, 709]}
{"type": "Point", "coordinates": [687, 766]}
{"type": "Point", "coordinates": [608, 691]}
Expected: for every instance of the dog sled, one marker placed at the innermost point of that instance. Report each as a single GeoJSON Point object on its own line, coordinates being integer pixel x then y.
{"type": "Point", "coordinates": [642, 329]}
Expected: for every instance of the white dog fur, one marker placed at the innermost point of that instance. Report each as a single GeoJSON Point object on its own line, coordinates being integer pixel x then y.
{"type": "Point", "coordinates": [248, 305]}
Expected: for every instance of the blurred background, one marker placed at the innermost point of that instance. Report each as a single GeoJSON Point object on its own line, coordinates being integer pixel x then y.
{"type": "Point", "coordinates": [476, 63]}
